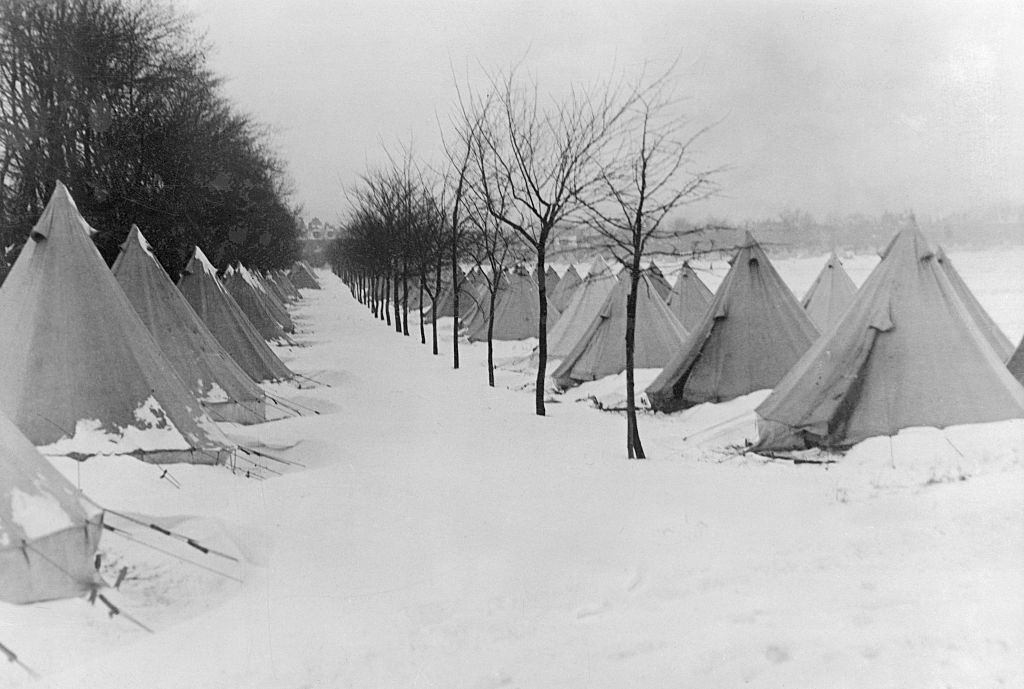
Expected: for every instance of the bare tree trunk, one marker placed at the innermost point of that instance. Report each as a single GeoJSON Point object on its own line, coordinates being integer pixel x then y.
{"type": "Point", "coordinates": [423, 334]}
{"type": "Point", "coordinates": [490, 336]}
{"type": "Point", "coordinates": [396, 303]}
{"type": "Point", "coordinates": [456, 288]}
{"type": "Point", "coordinates": [433, 310]}
{"type": "Point", "coordinates": [542, 331]}
{"type": "Point", "coordinates": [634, 448]}
{"type": "Point", "coordinates": [405, 299]}
{"type": "Point", "coordinates": [387, 297]}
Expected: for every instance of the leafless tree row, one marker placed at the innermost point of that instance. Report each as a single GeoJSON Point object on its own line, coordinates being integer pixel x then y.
{"type": "Point", "coordinates": [522, 166]}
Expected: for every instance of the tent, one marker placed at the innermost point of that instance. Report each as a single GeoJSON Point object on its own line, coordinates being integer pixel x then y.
{"type": "Point", "coordinates": [273, 303]}
{"type": "Point", "coordinates": [992, 332]}
{"type": "Point", "coordinates": [48, 533]}
{"type": "Point", "coordinates": [753, 332]}
{"type": "Point", "coordinates": [601, 351]}
{"type": "Point", "coordinates": [657, 279]}
{"type": "Point", "coordinates": [479, 314]}
{"type": "Point", "coordinates": [225, 319]}
{"type": "Point", "coordinates": [302, 276]}
{"type": "Point", "coordinates": [270, 284]}
{"type": "Point", "coordinates": [551, 280]}
{"type": "Point", "coordinates": [561, 295]}
{"type": "Point", "coordinates": [81, 374]}
{"type": "Point", "coordinates": [516, 312]}
{"type": "Point", "coordinates": [1016, 362]}
{"type": "Point", "coordinates": [208, 371]}
{"type": "Point", "coordinates": [587, 301]}
{"type": "Point", "coordinates": [689, 298]}
{"type": "Point", "coordinates": [245, 294]}
{"type": "Point", "coordinates": [281, 278]}
{"type": "Point", "coordinates": [907, 353]}
{"type": "Point", "coordinates": [467, 297]}
{"type": "Point", "coordinates": [830, 294]}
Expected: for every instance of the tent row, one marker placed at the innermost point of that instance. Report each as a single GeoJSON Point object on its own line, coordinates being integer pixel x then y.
{"type": "Point", "coordinates": [105, 361]}
{"type": "Point", "coordinates": [122, 361]}
{"type": "Point", "coordinates": [912, 347]}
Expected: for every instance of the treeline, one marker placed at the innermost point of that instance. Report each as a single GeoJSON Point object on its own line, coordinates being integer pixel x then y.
{"type": "Point", "coordinates": [115, 99]}
{"type": "Point", "coordinates": [796, 231]}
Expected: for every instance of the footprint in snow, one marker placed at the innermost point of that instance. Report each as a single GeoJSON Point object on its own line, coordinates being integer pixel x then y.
{"type": "Point", "coordinates": [592, 609]}
{"type": "Point", "coordinates": [635, 580]}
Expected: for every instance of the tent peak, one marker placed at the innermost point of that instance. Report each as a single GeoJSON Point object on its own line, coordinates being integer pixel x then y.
{"type": "Point", "coordinates": [599, 267]}
{"type": "Point", "coordinates": [135, 234]}
{"type": "Point", "coordinates": [61, 210]}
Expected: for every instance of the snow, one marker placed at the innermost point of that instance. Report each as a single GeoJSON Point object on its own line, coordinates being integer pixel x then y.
{"type": "Point", "coordinates": [204, 262]}
{"type": "Point", "coordinates": [152, 431]}
{"type": "Point", "coordinates": [214, 394]}
{"type": "Point", "coordinates": [38, 515]}
{"type": "Point", "coordinates": [442, 535]}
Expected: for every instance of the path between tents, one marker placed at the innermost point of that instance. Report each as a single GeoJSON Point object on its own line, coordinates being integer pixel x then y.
{"type": "Point", "coordinates": [444, 536]}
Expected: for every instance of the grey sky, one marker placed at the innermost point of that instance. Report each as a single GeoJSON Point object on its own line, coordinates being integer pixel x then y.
{"type": "Point", "coordinates": [831, 107]}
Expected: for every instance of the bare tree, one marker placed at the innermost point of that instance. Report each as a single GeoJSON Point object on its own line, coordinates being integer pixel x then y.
{"type": "Point", "coordinates": [458, 151]}
{"type": "Point", "coordinates": [649, 174]}
{"type": "Point", "coordinates": [494, 249]}
{"type": "Point", "coordinates": [546, 153]}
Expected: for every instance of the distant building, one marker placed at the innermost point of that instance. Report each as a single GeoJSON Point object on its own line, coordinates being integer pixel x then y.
{"type": "Point", "coordinates": [314, 236]}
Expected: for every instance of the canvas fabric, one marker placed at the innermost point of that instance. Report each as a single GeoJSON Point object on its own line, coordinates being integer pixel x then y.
{"type": "Point", "coordinates": [752, 334]}
{"type": "Point", "coordinates": [601, 351]}
{"type": "Point", "coordinates": [207, 370]}
{"type": "Point", "coordinates": [81, 373]}
{"type": "Point", "coordinates": [907, 353]}
{"type": "Point", "coordinates": [228, 323]}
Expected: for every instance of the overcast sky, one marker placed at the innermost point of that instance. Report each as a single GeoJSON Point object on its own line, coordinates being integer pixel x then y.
{"type": "Point", "coordinates": [827, 106]}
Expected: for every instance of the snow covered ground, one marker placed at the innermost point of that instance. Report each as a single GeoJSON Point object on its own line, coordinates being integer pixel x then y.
{"type": "Point", "coordinates": [441, 535]}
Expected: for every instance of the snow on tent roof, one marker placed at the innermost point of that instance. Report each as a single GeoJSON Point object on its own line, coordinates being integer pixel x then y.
{"type": "Point", "coordinates": [225, 319]}
{"type": "Point", "coordinates": [601, 351]}
{"type": "Point", "coordinates": [992, 332]}
{"type": "Point", "coordinates": [302, 276]}
{"type": "Point", "coordinates": [689, 298]}
{"type": "Point", "coordinates": [48, 537]}
{"type": "Point", "coordinates": [207, 370]}
{"type": "Point", "coordinates": [587, 301]}
{"type": "Point", "coordinates": [753, 332]}
{"type": "Point", "coordinates": [830, 294]}
{"type": "Point", "coordinates": [516, 313]}
{"type": "Point", "coordinates": [567, 284]}
{"type": "Point", "coordinates": [81, 373]}
{"type": "Point", "coordinates": [907, 353]}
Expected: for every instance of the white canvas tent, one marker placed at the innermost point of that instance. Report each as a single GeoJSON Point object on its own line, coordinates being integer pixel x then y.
{"type": "Point", "coordinates": [209, 372]}
{"type": "Point", "coordinates": [48, 533]}
{"type": "Point", "coordinates": [81, 374]}
{"type": "Point", "coordinates": [225, 319]}
{"type": "Point", "coordinates": [753, 332]}
{"type": "Point", "coordinates": [601, 351]}
{"type": "Point", "coordinates": [907, 353]}
{"type": "Point", "coordinates": [830, 294]}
